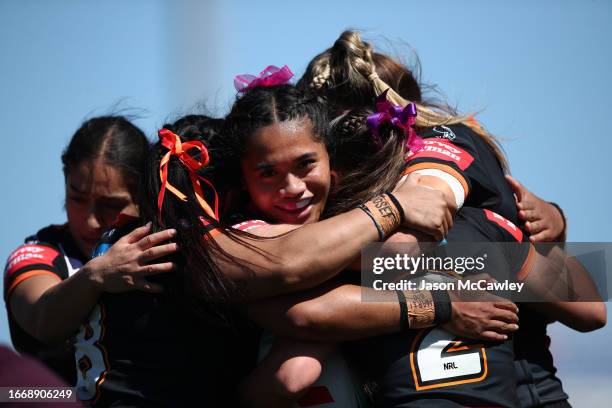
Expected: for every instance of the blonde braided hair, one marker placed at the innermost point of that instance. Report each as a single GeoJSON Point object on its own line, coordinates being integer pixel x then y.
{"type": "Point", "coordinates": [361, 66]}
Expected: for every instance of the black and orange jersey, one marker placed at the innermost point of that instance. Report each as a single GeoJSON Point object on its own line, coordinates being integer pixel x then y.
{"type": "Point", "coordinates": [142, 349]}
{"type": "Point", "coordinates": [52, 252]}
{"type": "Point", "coordinates": [432, 367]}
{"type": "Point", "coordinates": [537, 380]}
{"type": "Point", "coordinates": [461, 156]}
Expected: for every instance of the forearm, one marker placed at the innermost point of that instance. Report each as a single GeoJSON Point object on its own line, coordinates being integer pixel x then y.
{"type": "Point", "coordinates": [580, 316]}
{"type": "Point", "coordinates": [299, 259]}
{"type": "Point", "coordinates": [327, 313]}
{"type": "Point", "coordinates": [51, 311]}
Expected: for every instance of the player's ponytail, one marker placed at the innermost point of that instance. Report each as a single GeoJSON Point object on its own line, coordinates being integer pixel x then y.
{"type": "Point", "coordinates": [358, 75]}
{"type": "Point", "coordinates": [201, 280]}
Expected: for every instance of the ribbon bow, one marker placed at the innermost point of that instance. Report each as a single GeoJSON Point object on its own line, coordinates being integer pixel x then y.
{"type": "Point", "coordinates": [268, 77]}
{"type": "Point", "coordinates": [176, 148]}
{"type": "Point", "coordinates": [403, 118]}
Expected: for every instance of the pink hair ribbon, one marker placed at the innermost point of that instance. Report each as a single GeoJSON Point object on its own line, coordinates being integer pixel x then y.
{"type": "Point", "coordinates": [173, 143]}
{"type": "Point", "coordinates": [270, 76]}
{"type": "Point", "coordinates": [403, 118]}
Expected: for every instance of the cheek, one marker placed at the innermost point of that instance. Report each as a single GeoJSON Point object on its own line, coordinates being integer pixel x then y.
{"type": "Point", "coordinates": [131, 210]}
{"type": "Point", "coordinates": [75, 211]}
{"type": "Point", "coordinates": [261, 194]}
{"type": "Point", "coordinates": [319, 182]}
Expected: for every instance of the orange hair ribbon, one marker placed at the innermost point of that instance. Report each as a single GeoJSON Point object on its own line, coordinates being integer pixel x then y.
{"type": "Point", "coordinates": [176, 148]}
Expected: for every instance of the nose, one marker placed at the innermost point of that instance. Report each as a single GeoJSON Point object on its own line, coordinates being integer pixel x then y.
{"type": "Point", "coordinates": [294, 186]}
{"type": "Point", "coordinates": [93, 219]}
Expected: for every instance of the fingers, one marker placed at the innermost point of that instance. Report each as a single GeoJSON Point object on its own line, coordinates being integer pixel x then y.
{"type": "Point", "coordinates": [137, 234]}
{"type": "Point", "coordinates": [493, 336]}
{"type": "Point", "coordinates": [507, 306]}
{"type": "Point", "coordinates": [157, 252]}
{"type": "Point", "coordinates": [504, 316]}
{"type": "Point", "coordinates": [149, 241]}
{"type": "Point", "coordinates": [146, 286]}
{"type": "Point", "coordinates": [156, 269]}
{"type": "Point", "coordinates": [516, 187]}
{"type": "Point", "coordinates": [534, 227]}
{"type": "Point", "coordinates": [502, 327]}
{"type": "Point", "coordinates": [543, 236]}
{"type": "Point", "coordinates": [528, 214]}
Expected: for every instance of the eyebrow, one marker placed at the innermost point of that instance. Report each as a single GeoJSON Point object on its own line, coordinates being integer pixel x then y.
{"type": "Point", "coordinates": [269, 165]}
{"type": "Point", "coordinates": [112, 197]}
{"type": "Point", "coordinates": [75, 189]}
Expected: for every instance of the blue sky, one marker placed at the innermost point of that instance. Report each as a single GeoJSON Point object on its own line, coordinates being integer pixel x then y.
{"type": "Point", "coordinates": [538, 73]}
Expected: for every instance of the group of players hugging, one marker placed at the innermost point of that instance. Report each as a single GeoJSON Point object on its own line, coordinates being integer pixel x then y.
{"type": "Point", "coordinates": [219, 266]}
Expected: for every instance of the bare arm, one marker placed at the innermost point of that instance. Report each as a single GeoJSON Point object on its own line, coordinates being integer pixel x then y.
{"type": "Point", "coordinates": [309, 255]}
{"type": "Point", "coordinates": [335, 312]}
{"type": "Point", "coordinates": [51, 310]}
{"type": "Point", "coordinates": [570, 294]}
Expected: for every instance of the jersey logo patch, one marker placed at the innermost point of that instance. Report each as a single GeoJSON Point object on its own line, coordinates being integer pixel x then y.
{"type": "Point", "coordinates": [28, 255]}
{"type": "Point", "coordinates": [444, 150]}
{"type": "Point", "coordinates": [505, 224]}
{"type": "Point", "coordinates": [444, 132]}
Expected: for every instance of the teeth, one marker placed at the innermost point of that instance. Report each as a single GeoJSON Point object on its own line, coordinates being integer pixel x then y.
{"type": "Point", "coordinates": [297, 205]}
{"type": "Point", "coordinates": [302, 203]}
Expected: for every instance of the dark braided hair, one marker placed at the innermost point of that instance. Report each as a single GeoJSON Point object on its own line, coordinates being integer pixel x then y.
{"type": "Point", "coordinates": [365, 167]}
{"type": "Point", "coordinates": [258, 108]}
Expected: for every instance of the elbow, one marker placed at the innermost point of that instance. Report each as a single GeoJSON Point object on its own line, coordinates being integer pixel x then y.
{"type": "Point", "coordinates": [309, 321]}
{"type": "Point", "coordinates": [296, 376]}
{"type": "Point", "coordinates": [295, 274]}
{"type": "Point", "coordinates": [596, 320]}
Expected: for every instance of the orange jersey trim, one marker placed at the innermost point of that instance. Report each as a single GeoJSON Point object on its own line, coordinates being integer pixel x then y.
{"type": "Point", "coordinates": [25, 276]}
{"type": "Point", "coordinates": [442, 167]}
{"type": "Point", "coordinates": [527, 265]}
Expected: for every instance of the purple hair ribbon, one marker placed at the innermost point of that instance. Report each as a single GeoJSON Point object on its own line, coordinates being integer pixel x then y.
{"type": "Point", "coordinates": [270, 76]}
{"type": "Point", "coordinates": [403, 118]}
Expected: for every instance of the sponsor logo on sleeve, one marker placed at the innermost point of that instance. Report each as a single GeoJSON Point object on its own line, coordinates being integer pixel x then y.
{"type": "Point", "coordinates": [505, 224]}
{"type": "Point", "coordinates": [443, 150]}
{"type": "Point", "coordinates": [30, 254]}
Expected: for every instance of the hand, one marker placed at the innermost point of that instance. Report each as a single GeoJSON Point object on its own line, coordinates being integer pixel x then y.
{"type": "Point", "coordinates": [491, 318]}
{"type": "Point", "coordinates": [126, 264]}
{"type": "Point", "coordinates": [543, 221]}
{"type": "Point", "coordinates": [425, 209]}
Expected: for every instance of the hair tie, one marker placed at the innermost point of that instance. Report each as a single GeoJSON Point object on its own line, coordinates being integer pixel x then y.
{"type": "Point", "coordinates": [403, 118]}
{"type": "Point", "coordinates": [268, 77]}
{"type": "Point", "coordinates": [173, 143]}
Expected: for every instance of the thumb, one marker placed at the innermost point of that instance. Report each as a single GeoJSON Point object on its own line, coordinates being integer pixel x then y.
{"type": "Point", "coordinates": [516, 187]}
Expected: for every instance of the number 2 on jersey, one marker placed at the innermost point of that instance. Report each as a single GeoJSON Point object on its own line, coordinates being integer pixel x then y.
{"type": "Point", "coordinates": [440, 359]}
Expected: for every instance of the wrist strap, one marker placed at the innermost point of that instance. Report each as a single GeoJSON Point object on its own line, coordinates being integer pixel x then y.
{"type": "Point", "coordinates": [443, 306]}
{"type": "Point", "coordinates": [404, 322]}
{"type": "Point", "coordinates": [381, 233]}
{"type": "Point", "coordinates": [397, 204]}
{"type": "Point", "coordinates": [384, 213]}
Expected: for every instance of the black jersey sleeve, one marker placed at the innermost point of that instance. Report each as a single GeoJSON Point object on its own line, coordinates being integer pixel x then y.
{"type": "Point", "coordinates": [458, 152]}
{"type": "Point", "coordinates": [34, 258]}
{"type": "Point", "coordinates": [510, 254]}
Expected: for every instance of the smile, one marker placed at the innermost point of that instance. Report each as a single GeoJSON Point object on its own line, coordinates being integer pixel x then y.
{"type": "Point", "coordinates": [295, 205]}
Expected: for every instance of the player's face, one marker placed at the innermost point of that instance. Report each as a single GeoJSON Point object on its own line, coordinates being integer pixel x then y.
{"type": "Point", "coordinates": [286, 172]}
{"type": "Point", "coordinates": [95, 196]}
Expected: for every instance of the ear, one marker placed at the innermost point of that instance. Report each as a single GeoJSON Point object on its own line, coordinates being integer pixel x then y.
{"type": "Point", "coordinates": [334, 177]}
